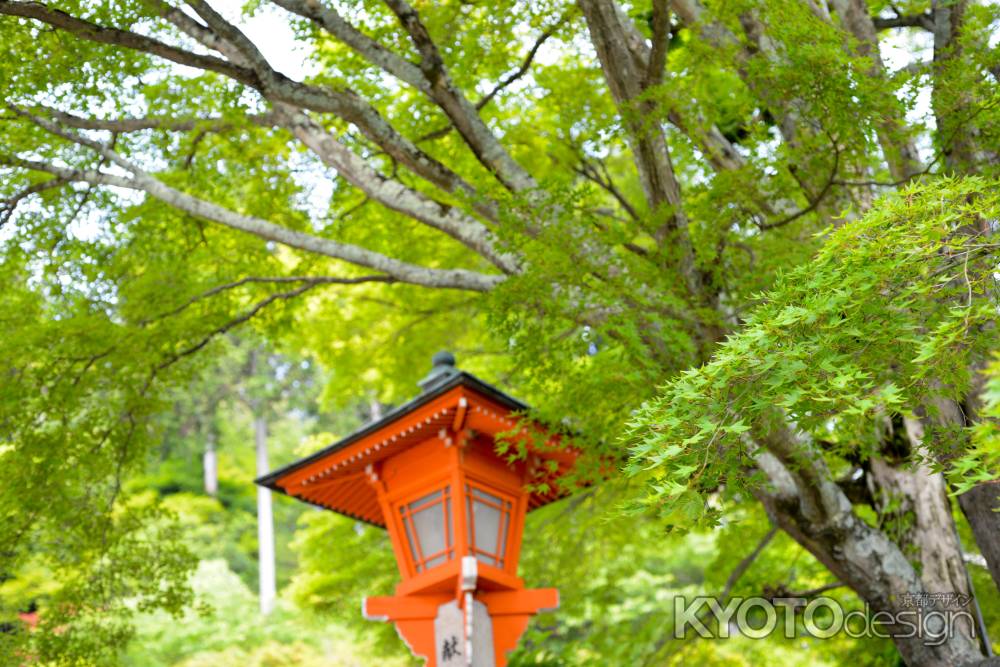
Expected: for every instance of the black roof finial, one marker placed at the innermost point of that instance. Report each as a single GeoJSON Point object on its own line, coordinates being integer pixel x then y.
{"type": "Point", "coordinates": [442, 368]}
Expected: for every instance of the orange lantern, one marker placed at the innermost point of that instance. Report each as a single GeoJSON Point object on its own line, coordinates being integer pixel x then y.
{"type": "Point", "coordinates": [430, 474]}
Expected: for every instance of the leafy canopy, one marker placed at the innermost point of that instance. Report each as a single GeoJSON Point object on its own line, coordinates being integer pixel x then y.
{"type": "Point", "coordinates": [887, 317]}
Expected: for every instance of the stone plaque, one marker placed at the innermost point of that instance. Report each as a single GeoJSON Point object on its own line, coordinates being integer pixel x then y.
{"type": "Point", "coordinates": [449, 636]}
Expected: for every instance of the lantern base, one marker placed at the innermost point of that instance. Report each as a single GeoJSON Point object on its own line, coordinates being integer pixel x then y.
{"type": "Point", "coordinates": [441, 579]}
{"type": "Point", "coordinates": [415, 615]}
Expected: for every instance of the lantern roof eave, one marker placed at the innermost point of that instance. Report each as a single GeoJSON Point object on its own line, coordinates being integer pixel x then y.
{"type": "Point", "coordinates": [458, 378]}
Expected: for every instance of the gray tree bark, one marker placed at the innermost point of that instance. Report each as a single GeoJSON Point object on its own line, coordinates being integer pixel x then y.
{"type": "Point", "coordinates": [981, 507]}
{"type": "Point", "coordinates": [913, 505]}
{"type": "Point", "coordinates": [804, 500]}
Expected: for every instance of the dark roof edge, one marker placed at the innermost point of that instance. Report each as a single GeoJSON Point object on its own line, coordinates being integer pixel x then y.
{"type": "Point", "coordinates": [461, 378]}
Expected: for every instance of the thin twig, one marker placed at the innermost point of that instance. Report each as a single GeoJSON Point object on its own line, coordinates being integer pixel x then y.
{"type": "Point", "coordinates": [602, 178]}
{"type": "Point", "coordinates": [814, 204]}
{"type": "Point", "coordinates": [9, 205]}
{"type": "Point", "coordinates": [525, 64]}
{"type": "Point", "coordinates": [780, 592]}
{"type": "Point", "coordinates": [504, 82]}
{"type": "Point", "coordinates": [245, 317]}
{"type": "Point", "coordinates": [311, 281]}
{"type": "Point", "coordinates": [734, 577]}
{"type": "Point", "coordinates": [745, 564]}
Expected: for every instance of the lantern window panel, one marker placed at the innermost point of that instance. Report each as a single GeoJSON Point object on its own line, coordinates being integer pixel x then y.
{"type": "Point", "coordinates": [488, 525]}
{"type": "Point", "coordinates": [427, 524]}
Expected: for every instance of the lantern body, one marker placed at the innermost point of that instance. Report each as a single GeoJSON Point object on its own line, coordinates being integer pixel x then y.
{"type": "Point", "coordinates": [451, 497]}
{"type": "Point", "coordinates": [429, 472]}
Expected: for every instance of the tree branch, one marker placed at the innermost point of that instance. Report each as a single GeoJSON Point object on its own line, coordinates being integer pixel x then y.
{"type": "Point", "coordinates": [234, 36]}
{"type": "Point", "coordinates": [166, 123]}
{"type": "Point", "coordinates": [306, 280]}
{"type": "Point", "coordinates": [332, 22]}
{"type": "Point", "coordinates": [899, 149]}
{"type": "Point", "coordinates": [745, 564]}
{"type": "Point", "coordinates": [525, 64]}
{"type": "Point", "coordinates": [394, 194]}
{"type": "Point", "coordinates": [661, 43]}
{"type": "Point", "coordinates": [600, 177]}
{"type": "Point", "coordinates": [720, 151]}
{"type": "Point", "coordinates": [480, 139]}
{"type": "Point", "coordinates": [624, 70]}
{"type": "Point", "coordinates": [355, 169]}
{"type": "Point", "coordinates": [69, 174]}
{"type": "Point", "coordinates": [353, 254]}
{"type": "Point", "coordinates": [431, 79]}
{"type": "Point", "coordinates": [334, 153]}
{"type": "Point", "coordinates": [923, 21]}
{"type": "Point", "coordinates": [254, 72]}
{"type": "Point", "coordinates": [504, 82]}
{"type": "Point", "coordinates": [115, 37]}
{"type": "Point", "coordinates": [231, 324]}
{"type": "Point", "coordinates": [814, 204]}
{"type": "Point", "coordinates": [624, 59]}
{"type": "Point", "coordinates": [727, 589]}
{"type": "Point", "coordinates": [781, 591]}
{"type": "Point", "coordinates": [9, 205]}
{"type": "Point", "coordinates": [406, 151]}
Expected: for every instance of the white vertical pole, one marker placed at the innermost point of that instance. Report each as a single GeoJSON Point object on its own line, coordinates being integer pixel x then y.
{"type": "Point", "coordinates": [468, 628]}
{"type": "Point", "coordinates": [375, 407]}
{"type": "Point", "coordinates": [265, 523]}
{"type": "Point", "coordinates": [210, 466]}
{"type": "Point", "coordinates": [470, 579]}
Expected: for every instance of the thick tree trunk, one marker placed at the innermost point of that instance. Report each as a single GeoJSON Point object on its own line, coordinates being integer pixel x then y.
{"type": "Point", "coordinates": [804, 500]}
{"type": "Point", "coordinates": [916, 514]}
{"type": "Point", "coordinates": [981, 506]}
{"type": "Point", "coordinates": [952, 102]}
{"type": "Point", "coordinates": [265, 523]}
{"type": "Point", "coordinates": [913, 505]}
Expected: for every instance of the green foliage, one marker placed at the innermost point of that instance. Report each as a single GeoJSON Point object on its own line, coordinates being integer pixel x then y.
{"type": "Point", "coordinates": [76, 406]}
{"type": "Point", "coordinates": [342, 562]}
{"type": "Point", "coordinates": [227, 630]}
{"type": "Point", "coordinates": [137, 562]}
{"type": "Point", "coordinates": [617, 589]}
{"type": "Point", "coordinates": [117, 314]}
{"type": "Point", "coordinates": [888, 316]}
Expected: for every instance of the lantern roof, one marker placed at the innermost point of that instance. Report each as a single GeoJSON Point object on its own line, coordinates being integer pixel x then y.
{"type": "Point", "coordinates": [335, 477]}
